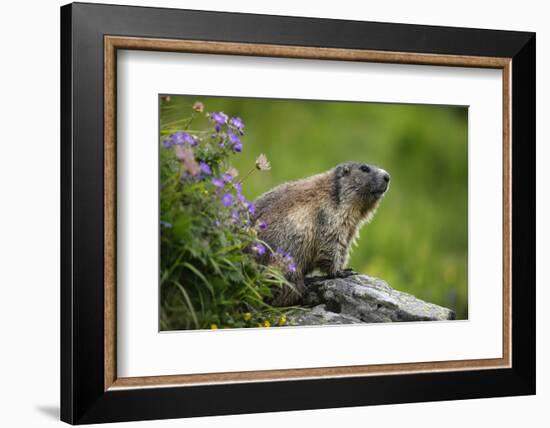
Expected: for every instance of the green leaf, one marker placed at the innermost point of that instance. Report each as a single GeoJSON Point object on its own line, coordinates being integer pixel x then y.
{"type": "Point", "coordinates": [189, 304]}
{"type": "Point", "coordinates": [200, 275]}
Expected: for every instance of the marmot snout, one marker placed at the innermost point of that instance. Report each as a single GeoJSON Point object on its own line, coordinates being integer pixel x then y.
{"type": "Point", "coordinates": [317, 219]}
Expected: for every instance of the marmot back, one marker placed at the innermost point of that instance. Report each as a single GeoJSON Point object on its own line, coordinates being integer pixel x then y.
{"type": "Point", "coordinates": [316, 220]}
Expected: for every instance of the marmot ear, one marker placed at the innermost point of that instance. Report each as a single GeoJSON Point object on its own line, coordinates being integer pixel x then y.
{"type": "Point", "coordinates": [342, 170]}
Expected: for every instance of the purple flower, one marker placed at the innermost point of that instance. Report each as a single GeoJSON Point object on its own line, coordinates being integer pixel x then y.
{"type": "Point", "coordinates": [287, 260]}
{"type": "Point", "coordinates": [235, 141]}
{"type": "Point", "coordinates": [219, 118]}
{"type": "Point", "coordinates": [181, 138]}
{"type": "Point", "coordinates": [251, 207]}
{"type": "Point", "coordinates": [262, 225]}
{"type": "Point", "coordinates": [166, 224]}
{"type": "Point", "coordinates": [239, 190]}
{"type": "Point", "coordinates": [233, 137]}
{"type": "Point", "coordinates": [237, 122]}
{"type": "Point", "coordinates": [218, 182]}
{"type": "Point", "coordinates": [227, 178]}
{"type": "Point", "coordinates": [205, 168]}
{"type": "Point", "coordinates": [227, 199]}
{"type": "Point", "coordinates": [283, 254]}
{"type": "Point", "coordinates": [235, 216]}
{"type": "Point", "coordinates": [259, 249]}
{"type": "Point", "coordinates": [167, 143]}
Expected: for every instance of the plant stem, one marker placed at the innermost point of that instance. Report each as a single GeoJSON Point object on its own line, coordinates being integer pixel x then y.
{"type": "Point", "coordinates": [247, 174]}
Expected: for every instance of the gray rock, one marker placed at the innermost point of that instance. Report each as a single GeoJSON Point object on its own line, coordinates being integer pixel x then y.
{"type": "Point", "coordinates": [319, 315]}
{"type": "Point", "coordinates": [362, 299]}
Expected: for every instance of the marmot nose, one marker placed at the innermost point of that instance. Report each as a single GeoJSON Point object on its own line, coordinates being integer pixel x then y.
{"type": "Point", "coordinates": [386, 177]}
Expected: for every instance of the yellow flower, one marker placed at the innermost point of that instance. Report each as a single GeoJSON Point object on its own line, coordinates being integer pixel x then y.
{"type": "Point", "coordinates": [247, 316]}
{"type": "Point", "coordinates": [282, 320]}
{"type": "Point", "coordinates": [267, 323]}
{"type": "Point", "coordinates": [213, 326]}
{"type": "Point", "coordinates": [260, 324]}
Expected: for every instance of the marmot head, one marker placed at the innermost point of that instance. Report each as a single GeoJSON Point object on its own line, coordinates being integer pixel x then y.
{"type": "Point", "coordinates": [359, 184]}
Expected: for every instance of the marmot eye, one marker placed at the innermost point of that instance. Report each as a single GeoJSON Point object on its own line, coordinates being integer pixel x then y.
{"type": "Point", "coordinates": [365, 168]}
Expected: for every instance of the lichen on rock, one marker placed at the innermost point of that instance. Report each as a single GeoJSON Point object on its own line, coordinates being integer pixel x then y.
{"type": "Point", "coordinates": [362, 299]}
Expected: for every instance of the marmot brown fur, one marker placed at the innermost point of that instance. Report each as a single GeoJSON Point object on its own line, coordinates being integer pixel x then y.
{"type": "Point", "coordinates": [317, 219]}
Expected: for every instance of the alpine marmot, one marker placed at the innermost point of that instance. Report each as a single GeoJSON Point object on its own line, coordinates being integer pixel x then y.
{"type": "Point", "coordinates": [317, 219]}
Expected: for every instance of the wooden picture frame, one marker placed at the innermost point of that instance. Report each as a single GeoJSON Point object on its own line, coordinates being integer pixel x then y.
{"type": "Point", "coordinates": [91, 390]}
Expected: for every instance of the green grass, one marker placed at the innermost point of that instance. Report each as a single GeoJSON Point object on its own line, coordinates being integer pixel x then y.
{"type": "Point", "coordinates": [418, 241]}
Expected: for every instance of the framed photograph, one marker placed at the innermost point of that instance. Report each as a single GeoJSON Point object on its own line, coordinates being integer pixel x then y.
{"type": "Point", "coordinates": [266, 213]}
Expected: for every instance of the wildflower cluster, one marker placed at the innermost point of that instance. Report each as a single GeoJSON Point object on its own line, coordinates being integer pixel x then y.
{"type": "Point", "coordinates": [273, 320]}
{"type": "Point", "coordinates": [228, 133]}
{"type": "Point", "coordinates": [235, 129]}
{"type": "Point", "coordinates": [210, 251]}
{"type": "Point", "coordinates": [180, 139]}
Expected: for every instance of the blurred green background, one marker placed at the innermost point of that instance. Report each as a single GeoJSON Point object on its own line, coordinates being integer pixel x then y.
{"type": "Point", "coordinates": [418, 241]}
